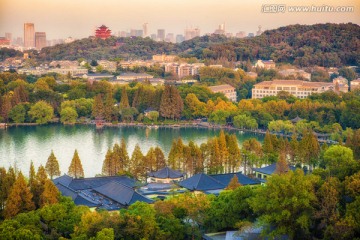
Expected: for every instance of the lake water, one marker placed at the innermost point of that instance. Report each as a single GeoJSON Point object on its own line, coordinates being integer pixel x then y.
{"type": "Point", "coordinates": [22, 144]}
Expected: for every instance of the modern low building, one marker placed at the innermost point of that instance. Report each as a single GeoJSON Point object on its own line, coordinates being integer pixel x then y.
{"type": "Point", "coordinates": [242, 179]}
{"type": "Point", "coordinates": [72, 71]}
{"type": "Point", "coordinates": [129, 77]}
{"type": "Point", "coordinates": [295, 73]}
{"type": "Point", "coordinates": [64, 64]}
{"type": "Point", "coordinates": [341, 84]}
{"type": "Point", "coordinates": [267, 64]}
{"type": "Point", "coordinates": [163, 58]}
{"type": "Point", "coordinates": [264, 172]}
{"type": "Point", "coordinates": [203, 183]}
{"type": "Point", "coordinates": [107, 65]}
{"type": "Point", "coordinates": [300, 89]}
{"type": "Point", "coordinates": [214, 184]}
{"type": "Point", "coordinates": [97, 76]}
{"type": "Point", "coordinates": [40, 71]}
{"type": "Point", "coordinates": [355, 84]}
{"type": "Point", "coordinates": [110, 193]}
{"type": "Point", "coordinates": [226, 89]}
{"type": "Point", "coordinates": [165, 175]}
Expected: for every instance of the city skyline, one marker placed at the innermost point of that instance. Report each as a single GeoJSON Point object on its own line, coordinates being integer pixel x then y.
{"type": "Point", "coordinates": [62, 19]}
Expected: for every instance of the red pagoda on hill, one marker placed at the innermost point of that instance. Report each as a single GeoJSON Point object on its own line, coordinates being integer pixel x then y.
{"type": "Point", "coordinates": [103, 32]}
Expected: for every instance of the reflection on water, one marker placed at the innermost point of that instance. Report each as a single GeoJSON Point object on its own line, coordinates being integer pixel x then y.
{"type": "Point", "coordinates": [20, 145]}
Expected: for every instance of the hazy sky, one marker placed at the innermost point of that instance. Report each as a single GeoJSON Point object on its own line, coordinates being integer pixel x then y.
{"type": "Point", "coordinates": [78, 18]}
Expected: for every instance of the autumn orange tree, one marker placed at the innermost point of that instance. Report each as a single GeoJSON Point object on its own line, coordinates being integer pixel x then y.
{"type": "Point", "coordinates": [20, 198]}
{"type": "Point", "coordinates": [50, 195]}
{"type": "Point", "coordinates": [171, 105]}
{"type": "Point", "coordinates": [52, 166]}
{"type": "Point", "coordinates": [37, 185]}
{"type": "Point", "coordinates": [282, 166]}
{"type": "Point", "coordinates": [234, 183]}
{"type": "Point", "coordinates": [75, 168]}
{"type": "Point", "coordinates": [137, 164]}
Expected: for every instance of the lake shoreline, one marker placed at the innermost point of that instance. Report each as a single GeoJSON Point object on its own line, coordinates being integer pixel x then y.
{"type": "Point", "coordinates": [151, 126]}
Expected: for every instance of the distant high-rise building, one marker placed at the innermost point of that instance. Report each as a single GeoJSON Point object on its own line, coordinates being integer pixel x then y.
{"type": "Point", "coordinates": [221, 29]}
{"type": "Point", "coordinates": [179, 38]}
{"type": "Point", "coordinates": [241, 34]}
{"type": "Point", "coordinates": [170, 38]}
{"type": "Point", "coordinates": [145, 30]}
{"type": "Point", "coordinates": [122, 34]}
{"type": "Point", "coordinates": [139, 33]}
{"type": "Point", "coordinates": [19, 41]}
{"type": "Point", "coordinates": [161, 34]}
{"type": "Point", "coordinates": [133, 32]}
{"type": "Point", "coordinates": [103, 32]}
{"type": "Point", "coordinates": [153, 36]}
{"type": "Point", "coordinates": [69, 40]}
{"type": "Point", "coordinates": [191, 33]}
{"type": "Point", "coordinates": [40, 40]}
{"type": "Point", "coordinates": [251, 35]}
{"type": "Point", "coordinates": [29, 35]}
{"type": "Point", "coordinates": [8, 36]}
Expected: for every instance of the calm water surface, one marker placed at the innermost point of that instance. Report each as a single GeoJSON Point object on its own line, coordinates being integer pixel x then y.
{"type": "Point", "coordinates": [20, 145]}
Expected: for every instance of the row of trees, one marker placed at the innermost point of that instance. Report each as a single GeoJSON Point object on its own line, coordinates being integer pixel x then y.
{"type": "Point", "coordinates": [20, 195]}
{"type": "Point", "coordinates": [76, 100]}
{"type": "Point", "coordinates": [291, 204]}
{"type": "Point", "coordinates": [223, 154]}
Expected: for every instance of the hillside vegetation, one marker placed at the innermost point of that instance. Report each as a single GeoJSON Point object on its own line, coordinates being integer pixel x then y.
{"type": "Point", "coordinates": [303, 45]}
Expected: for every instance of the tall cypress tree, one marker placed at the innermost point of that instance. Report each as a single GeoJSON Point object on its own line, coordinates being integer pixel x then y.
{"type": "Point", "coordinates": [20, 198]}
{"type": "Point", "coordinates": [108, 106]}
{"type": "Point", "coordinates": [75, 168]}
{"type": "Point", "coordinates": [98, 107]}
{"type": "Point", "coordinates": [124, 102]}
{"type": "Point", "coordinates": [171, 105]}
{"type": "Point", "coordinates": [116, 160]}
{"type": "Point", "coordinates": [234, 152]}
{"type": "Point", "coordinates": [310, 148]}
{"type": "Point", "coordinates": [150, 160]}
{"type": "Point", "coordinates": [282, 166]}
{"type": "Point", "coordinates": [32, 175]}
{"type": "Point", "coordinates": [224, 154]}
{"type": "Point", "coordinates": [52, 166]}
{"type": "Point", "coordinates": [3, 194]}
{"type": "Point", "coordinates": [124, 156]}
{"type": "Point", "coordinates": [20, 95]}
{"type": "Point", "coordinates": [50, 195]}
{"type": "Point", "coordinates": [160, 159]}
{"type": "Point", "coordinates": [268, 147]}
{"type": "Point", "coordinates": [37, 187]}
{"type": "Point", "coordinates": [137, 166]}
{"type": "Point", "coordinates": [107, 164]}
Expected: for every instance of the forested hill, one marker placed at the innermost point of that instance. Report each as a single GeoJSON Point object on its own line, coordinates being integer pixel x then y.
{"type": "Point", "coordinates": [304, 45]}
